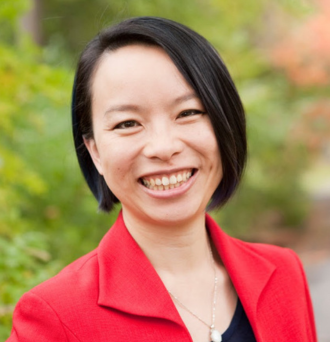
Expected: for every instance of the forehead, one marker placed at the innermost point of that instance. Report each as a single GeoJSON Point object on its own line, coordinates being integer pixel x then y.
{"type": "Point", "coordinates": [137, 71]}
{"type": "Point", "coordinates": [135, 59]}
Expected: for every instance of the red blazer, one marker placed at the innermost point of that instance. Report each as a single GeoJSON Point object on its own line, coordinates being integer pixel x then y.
{"type": "Point", "coordinates": [114, 294]}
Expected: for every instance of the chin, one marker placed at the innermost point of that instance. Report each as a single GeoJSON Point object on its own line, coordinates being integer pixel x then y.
{"type": "Point", "coordinates": [175, 215]}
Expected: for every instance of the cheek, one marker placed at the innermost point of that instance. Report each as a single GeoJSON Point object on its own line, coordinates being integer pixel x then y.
{"type": "Point", "coordinates": [212, 153]}
{"type": "Point", "coordinates": [117, 161]}
{"type": "Point", "coordinates": [208, 143]}
{"type": "Point", "coordinates": [113, 162]}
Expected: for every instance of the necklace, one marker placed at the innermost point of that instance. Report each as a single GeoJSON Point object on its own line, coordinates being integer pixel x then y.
{"type": "Point", "coordinates": [215, 335]}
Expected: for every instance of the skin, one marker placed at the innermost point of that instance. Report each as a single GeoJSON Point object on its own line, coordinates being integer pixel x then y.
{"type": "Point", "coordinates": [149, 123]}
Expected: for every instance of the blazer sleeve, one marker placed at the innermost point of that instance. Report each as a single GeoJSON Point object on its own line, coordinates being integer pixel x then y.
{"type": "Point", "coordinates": [35, 320]}
{"type": "Point", "coordinates": [310, 313]}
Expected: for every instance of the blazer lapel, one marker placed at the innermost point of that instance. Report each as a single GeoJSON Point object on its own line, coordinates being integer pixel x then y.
{"type": "Point", "coordinates": [127, 280]}
{"type": "Point", "coordinates": [249, 271]}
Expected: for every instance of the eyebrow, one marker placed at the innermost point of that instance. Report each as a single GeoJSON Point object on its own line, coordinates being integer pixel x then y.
{"type": "Point", "coordinates": [122, 108]}
{"type": "Point", "coordinates": [185, 97]}
{"type": "Point", "coordinates": [136, 108]}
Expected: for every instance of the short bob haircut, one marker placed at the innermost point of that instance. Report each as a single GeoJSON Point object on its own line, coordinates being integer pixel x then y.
{"type": "Point", "coordinates": [201, 66]}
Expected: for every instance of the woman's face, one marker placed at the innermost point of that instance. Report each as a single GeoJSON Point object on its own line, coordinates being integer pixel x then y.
{"type": "Point", "coordinates": [152, 142]}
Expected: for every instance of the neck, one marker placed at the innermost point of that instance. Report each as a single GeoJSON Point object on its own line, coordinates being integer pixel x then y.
{"type": "Point", "coordinates": [172, 249]}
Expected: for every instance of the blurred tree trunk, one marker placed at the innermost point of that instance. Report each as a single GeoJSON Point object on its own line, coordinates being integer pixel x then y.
{"type": "Point", "coordinates": [30, 23]}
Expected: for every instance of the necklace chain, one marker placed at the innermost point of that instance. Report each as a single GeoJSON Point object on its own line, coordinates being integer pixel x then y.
{"type": "Point", "coordinates": [211, 327]}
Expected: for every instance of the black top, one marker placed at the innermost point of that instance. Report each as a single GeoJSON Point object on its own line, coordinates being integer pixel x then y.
{"type": "Point", "coordinates": [239, 329]}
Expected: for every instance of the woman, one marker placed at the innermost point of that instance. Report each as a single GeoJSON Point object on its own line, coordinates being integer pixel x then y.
{"type": "Point", "coordinates": [159, 126]}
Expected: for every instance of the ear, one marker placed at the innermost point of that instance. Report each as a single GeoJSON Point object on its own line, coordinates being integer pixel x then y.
{"type": "Point", "coordinates": [94, 153]}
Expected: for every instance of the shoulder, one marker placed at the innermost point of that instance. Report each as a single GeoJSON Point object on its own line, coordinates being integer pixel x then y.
{"type": "Point", "coordinates": [79, 276]}
{"type": "Point", "coordinates": [236, 251]}
{"type": "Point", "coordinates": [63, 292]}
{"type": "Point", "coordinates": [281, 257]}
{"type": "Point", "coordinates": [44, 313]}
{"type": "Point", "coordinates": [239, 255]}
{"type": "Point", "coordinates": [273, 253]}
{"type": "Point", "coordinates": [258, 259]}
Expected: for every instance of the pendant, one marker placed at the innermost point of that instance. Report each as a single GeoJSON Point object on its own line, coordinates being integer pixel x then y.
{"type": "Point", "coordinates": [215, 336]}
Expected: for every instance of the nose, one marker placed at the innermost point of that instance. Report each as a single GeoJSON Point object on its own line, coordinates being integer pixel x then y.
{"type": "Point", "coordinates": [163, 144]}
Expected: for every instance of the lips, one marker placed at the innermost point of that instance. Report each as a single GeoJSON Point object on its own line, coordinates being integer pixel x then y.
{"type": "Point", "coordinates": [164, 182]}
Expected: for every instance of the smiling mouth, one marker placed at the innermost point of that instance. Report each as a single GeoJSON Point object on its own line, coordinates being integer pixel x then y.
{"type": "Point", "coordinates": [166, 182]}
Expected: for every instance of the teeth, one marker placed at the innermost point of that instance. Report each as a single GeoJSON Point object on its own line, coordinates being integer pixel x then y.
{"type": "Point", "coordinates": [165, 182]}
{"type": "Point", "coordinates": [173, 179]}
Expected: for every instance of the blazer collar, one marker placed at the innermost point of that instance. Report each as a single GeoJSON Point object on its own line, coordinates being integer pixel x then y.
{"type": "Point", "coordinates": [128, 282]}
{"type": "Point", "coordinates": [249, 271]}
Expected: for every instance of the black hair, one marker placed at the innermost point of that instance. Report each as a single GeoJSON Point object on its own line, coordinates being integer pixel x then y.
{"type": "Point", "coordinates": [203, 69]}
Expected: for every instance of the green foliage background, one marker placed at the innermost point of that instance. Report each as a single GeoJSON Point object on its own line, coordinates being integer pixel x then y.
{"type": "Point", "coordinates": [47, 214]}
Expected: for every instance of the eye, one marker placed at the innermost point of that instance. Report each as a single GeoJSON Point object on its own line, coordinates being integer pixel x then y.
{"type": "Point", "coordinates": [127, 124]}
{"type": "Point", "coordinates": [190, 112]}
